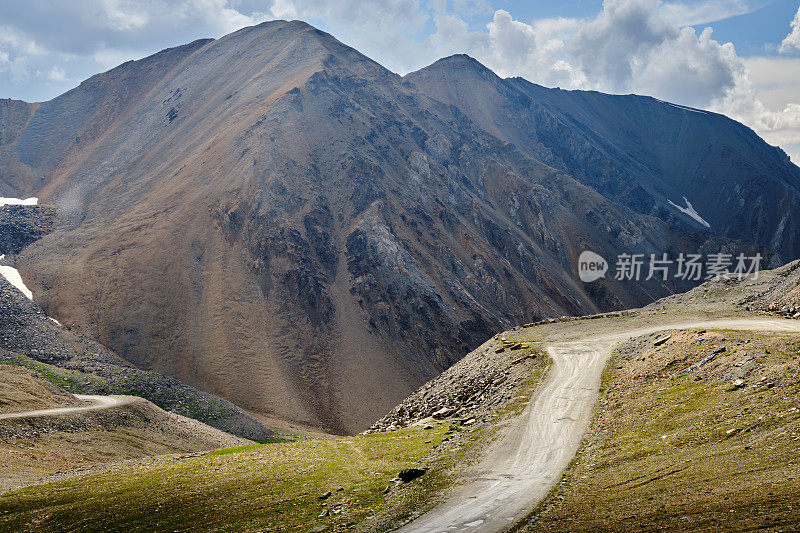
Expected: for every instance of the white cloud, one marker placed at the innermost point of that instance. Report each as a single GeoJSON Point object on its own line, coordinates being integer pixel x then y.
{"type": "Point", "coordinates": [628, 47]}
{"type": "Point", "coordinates": [124, 15]}
{"type": "Point", "coordinates": [18, 41]}
{"type": "Point", "coordinates": [792, 41]}
{"type": "Point", "coordinates": [681, 14]}
{"type": "Point", "coordinates": [16, 49]}
{"type": "Point", "coordinates": [766, 99]}
{"type": "Point", "coordinates": [56, 74]}
{"type": "Point", "coordinates": [87, 37]}
{"type": "Point", "coordinates": [385, 31]}
{"type": "Point", "coordinates": [636, 46]}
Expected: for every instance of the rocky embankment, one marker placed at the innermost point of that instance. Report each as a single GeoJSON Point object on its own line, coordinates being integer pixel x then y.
{"type": "Point", "coordinates": [780, 293]}
{"type": "Point", "coordinates": [484, 379]}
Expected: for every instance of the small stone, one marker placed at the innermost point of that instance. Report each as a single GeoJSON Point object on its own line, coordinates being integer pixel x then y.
{"type": "Point", "coordinates": [325, 496]}
{"type": "Point", "coordinates": [324, 513]}
{"type": "Point", "coordinates": [662, 340]}
{"type": "Point", "coordinates": [739, 383]}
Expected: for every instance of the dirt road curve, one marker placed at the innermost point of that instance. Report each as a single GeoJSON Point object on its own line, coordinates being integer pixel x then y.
{"type": "Point", "coordinates": [526, 462]}
{"type": "Point", "coordinates": [94, 403]}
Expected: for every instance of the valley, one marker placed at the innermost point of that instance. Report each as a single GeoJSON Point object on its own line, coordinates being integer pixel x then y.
{"type": "Point", "coordinates": [497, 462]}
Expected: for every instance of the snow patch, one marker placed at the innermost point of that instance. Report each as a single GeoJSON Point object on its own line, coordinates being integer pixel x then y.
{"type": "Point", "coordinates": [17, 201]}
{"type": "Point", "coordinates": [13, 277]}
{"type": "Point", "coordinates": [690, 210]}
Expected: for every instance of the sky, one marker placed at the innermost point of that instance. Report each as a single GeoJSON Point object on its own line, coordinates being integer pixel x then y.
{"type": "Point", "coordinates": [737, 57]}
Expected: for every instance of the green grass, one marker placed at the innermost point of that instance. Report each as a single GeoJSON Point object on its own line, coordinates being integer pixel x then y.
{"type": "Point", "coordinates": [69, 380]}
{"type": "Point", "coordinates": [257, 487]}
{"type": "Point", "coordinates": [678, 453]}
{"type": "Point", "coordinates": [271, 487]}
{"type": "Point", "coordinates": [237, 449]}
{"type": "Point", "coordinates": [139, 383]}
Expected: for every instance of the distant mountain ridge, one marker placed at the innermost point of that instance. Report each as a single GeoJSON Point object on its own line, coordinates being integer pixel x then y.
{"type": "Point", "coordinates": [637, 150]}
{"type": "Point", "coordinates": [275, 218]}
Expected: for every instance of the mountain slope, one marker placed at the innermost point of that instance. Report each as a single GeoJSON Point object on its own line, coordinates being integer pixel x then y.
{"type": "Point", "coordinates": [14, 118]}
{"type": "Point", "coordinates": [59, 442]}
{"type": "Point", "coordinates": [275, 218]}
{"type": "Point", "coordinates": [30, 339]}
{"type": "Point", "coordinates": [647, 154]}
{"type": "Point", "coordinates": [673, 441]}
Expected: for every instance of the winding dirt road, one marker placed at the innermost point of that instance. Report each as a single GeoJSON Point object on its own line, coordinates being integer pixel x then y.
{"type": "Point", "coordinates": [526, 462]}
{"type": "Point", "coordinates": [97, 403]}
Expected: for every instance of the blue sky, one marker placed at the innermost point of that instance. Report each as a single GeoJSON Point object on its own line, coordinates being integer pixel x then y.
{"type": "Point", "coordinates": [738, 57]}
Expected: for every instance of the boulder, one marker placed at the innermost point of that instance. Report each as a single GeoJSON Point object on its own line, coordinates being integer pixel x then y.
{"type": "Point", "coordinates": [410, 474]}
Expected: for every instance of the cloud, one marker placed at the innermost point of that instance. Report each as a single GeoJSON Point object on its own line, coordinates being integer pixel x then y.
{"type": "Point", "coordinates": [385, 31]}
{"type": "Point", "coordinates": [680, 14]}
{"type": "Point", "coordinates": [122, 15]}
{"type": "Point", "coordinates": [628, 47]}
{"type": "Point", "coordinates": [763, 99]}
{"type": "Point", "coordinates": [56, 74]}
{"type": "Point", "coordinates": [635, 46]}
{"type": "Point", "coordinates": [792, 41]}
{"type": "Point", "coordinates": [83, 38]}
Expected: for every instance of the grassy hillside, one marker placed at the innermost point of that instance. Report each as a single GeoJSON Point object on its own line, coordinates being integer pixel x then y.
{"type": "Point", "coordinates": [676, 445]}
{"type": "Point", "coordinates": [22, 389]}
{"type": "Point", "coordinates": [34, 449]}
{"type": "Point", "coordinates": [271, 486]}
{"type": "Point", "coordinates": [275, 486]}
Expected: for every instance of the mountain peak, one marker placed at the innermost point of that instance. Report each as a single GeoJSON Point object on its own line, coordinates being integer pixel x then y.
{"type": "Point", "coordinates": [454, 65]}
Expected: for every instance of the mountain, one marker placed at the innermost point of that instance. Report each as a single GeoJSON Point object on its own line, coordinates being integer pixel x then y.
{"type": "Point", "coordinates": [676, 163]}
{"type": "Point", "coordinates": [274, 218]}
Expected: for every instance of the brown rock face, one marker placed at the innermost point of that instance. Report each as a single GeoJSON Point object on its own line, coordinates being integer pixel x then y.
{"type": "Point", "coordinates": [274, 218]}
